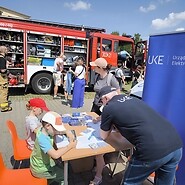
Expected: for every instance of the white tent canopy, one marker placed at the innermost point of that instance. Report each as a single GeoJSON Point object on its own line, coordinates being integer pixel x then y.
{"type": "Point", "coordinates": [137, 90]}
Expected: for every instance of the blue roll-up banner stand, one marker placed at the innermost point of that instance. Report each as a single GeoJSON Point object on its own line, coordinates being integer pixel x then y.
{"type": "Point", "coordinates": [164, 87]}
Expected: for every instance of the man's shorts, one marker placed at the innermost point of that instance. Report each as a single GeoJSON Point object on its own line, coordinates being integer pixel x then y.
{"type": "Point", "coordinates": [57, 78]}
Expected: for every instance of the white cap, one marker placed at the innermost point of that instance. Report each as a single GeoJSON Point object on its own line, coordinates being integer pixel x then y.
{"type": "Point", "coordinates": [55, 120]}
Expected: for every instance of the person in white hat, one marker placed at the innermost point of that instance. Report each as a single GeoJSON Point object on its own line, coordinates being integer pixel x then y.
{"type": "Point", "coordinates": [42, 159]}
{"type": "Point", "coordinates": [103, 78]}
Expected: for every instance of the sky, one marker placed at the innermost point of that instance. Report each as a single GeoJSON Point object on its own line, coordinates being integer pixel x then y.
{"type": "Point", "coordinates": [145, 17]}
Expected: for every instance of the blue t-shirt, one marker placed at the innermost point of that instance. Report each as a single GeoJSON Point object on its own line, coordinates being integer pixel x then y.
{"type": "Point", "coordinates": [152, 135]}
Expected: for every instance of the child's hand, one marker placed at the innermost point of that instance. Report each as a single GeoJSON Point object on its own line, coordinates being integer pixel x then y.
{"type": "Point", "coordinates": [72, 144]}
{"type": "Point", "coordinates": [70, 136]}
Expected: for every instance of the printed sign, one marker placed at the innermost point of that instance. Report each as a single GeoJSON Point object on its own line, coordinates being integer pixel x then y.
{"type": "Point", "coordinates": [164, 87]}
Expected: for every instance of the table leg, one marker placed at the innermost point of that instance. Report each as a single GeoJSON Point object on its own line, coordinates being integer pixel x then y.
{"type": "Point", "coordinates": [65, 172]}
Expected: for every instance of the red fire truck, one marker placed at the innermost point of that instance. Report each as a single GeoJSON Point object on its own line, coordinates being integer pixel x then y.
{"type": "Point", "coordinates": [34, 45]}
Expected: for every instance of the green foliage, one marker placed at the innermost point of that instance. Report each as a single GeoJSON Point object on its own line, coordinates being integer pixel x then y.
{"type": "Point", "coordinates": [124, 34]}
{"type": "Point", "coordinates": [128, 47]}
{"type": "Point", "coordinates": [137, 38]}
{"type": "Point", "coordinates": [115, 33]}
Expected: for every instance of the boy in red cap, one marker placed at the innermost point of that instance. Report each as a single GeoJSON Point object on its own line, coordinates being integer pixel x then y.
{"type": "Point", "coordinates": [36, 107]}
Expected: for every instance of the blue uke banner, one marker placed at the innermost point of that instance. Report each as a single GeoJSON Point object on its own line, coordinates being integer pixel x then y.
{"type": "Point", "coordinates": [164, 88]}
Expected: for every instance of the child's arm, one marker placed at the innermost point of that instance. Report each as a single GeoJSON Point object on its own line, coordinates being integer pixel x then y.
{"type": "Point", "coordinates": [55, 154]}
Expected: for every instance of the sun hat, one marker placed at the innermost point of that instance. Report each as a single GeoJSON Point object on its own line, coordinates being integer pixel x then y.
{"type": "Point", "coordinates": [38, 102]}
{"type": "Point", "coordinates": [106, 90]}
{"type": "Point", "coordinates": [55, 120]}
{"type": "Point", "coordinates": [99, 62]}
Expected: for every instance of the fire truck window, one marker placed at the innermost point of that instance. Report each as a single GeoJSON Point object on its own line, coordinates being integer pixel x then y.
{"type": "Point", "coordinates": [106, 45]}
{"type": "Point", "coordinates": [116, 46]}
{"type": "Point", "coordinates": [98, 47]}
{"type": "Point", "coordinates": [140, 49]}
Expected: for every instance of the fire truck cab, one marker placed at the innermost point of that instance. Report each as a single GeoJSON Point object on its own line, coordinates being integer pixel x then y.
{"type": "Point", "coordinates": [108, 46]}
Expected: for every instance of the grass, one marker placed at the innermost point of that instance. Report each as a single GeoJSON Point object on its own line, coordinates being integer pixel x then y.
{"type": "Point", "coordinates": [127, 87]}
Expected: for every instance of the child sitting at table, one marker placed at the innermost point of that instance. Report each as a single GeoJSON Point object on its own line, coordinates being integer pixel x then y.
{"type": "Point", "coordinates": [42, 164]}
{"type": "Point", "coordinates": [32, 122]}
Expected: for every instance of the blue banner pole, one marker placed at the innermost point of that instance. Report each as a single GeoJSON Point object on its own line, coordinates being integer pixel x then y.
{"type": "Point", "coordinates": [164, 87]}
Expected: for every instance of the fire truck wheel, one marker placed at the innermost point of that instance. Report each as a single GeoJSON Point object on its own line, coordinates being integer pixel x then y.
{"type": "Point", "coordinates": [42, 83]}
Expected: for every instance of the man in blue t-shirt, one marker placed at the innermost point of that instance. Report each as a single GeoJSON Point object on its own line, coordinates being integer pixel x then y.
{"type": "Point", "coordinates": [158, 147]}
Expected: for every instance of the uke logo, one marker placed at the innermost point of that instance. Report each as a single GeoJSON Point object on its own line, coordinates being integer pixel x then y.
{"type": "Point", "coordinates": [158, 59]}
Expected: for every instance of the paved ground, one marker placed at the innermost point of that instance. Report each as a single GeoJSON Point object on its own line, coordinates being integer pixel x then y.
{"type": "Point", "coordinates": [17, 115]}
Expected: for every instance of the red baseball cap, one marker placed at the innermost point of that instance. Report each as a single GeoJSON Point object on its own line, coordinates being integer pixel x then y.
{"type": "Point", "coordinates": [38, 102]}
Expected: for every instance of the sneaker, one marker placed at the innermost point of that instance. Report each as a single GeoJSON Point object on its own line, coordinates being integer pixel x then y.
{"type": "Point", "coordinates": [56, 97]}
{"type": "Point", "coordinates": [65, 100]}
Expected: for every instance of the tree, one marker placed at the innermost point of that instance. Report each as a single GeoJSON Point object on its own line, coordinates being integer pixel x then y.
{"type": "Point", "coordinates": [127, 46]}
{"type": "Point", "coordinates": [137, 38]}
{"type": "Point", "coordinates": [115, 33]}
{"type": "Point", "coordinates": [124, 34]}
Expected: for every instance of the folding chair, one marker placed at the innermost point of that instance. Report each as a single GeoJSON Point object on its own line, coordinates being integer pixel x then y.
{"type": "Point", "coordinates": [20, 150]}
{"type": "Point", "coordinates": [18, 176]}
{"type": "Point", "coordinates": [121, 154]}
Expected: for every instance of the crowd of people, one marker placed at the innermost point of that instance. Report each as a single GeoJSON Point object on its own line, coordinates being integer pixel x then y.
{"type": "Point", "coordinates": [138, 124]}
{"type": "Point", "coordinates": [71, 80]}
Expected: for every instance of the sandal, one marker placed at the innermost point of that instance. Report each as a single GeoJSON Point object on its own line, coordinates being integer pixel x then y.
{"type": "Point", "coordinates": [96, 181]}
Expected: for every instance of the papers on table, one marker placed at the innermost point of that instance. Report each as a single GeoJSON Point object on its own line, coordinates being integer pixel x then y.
{"type": "Point", "coordinates": [76, 118]}
{"type": "Point", "coordinates": [95, 127]}
{"type": "Point", "coordinates": [61, 141]}
{"type": "Point", "coordinates": [84, 142]}
{"type": "Point", "coordinates": [89, 138]}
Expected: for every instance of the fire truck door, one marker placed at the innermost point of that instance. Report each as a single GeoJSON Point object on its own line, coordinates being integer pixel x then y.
{"type": "Point", "coordinates": [140, 53]}
{"type": "Point", "coordinates": [107, 51]}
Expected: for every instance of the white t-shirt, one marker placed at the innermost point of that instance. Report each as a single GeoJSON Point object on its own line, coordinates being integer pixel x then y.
{"type": "Point", "coordinates": [65, 77]}
{"type": "Point", "coordinates": [60, 62]}
{"type": "Point", "coordinates": [78, 70]}
{"type": "Point", "coordinates": [32, 122]}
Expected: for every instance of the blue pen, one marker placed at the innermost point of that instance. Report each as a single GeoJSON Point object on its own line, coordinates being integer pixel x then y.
{"type": "Point", "coordinates": [89, 137]}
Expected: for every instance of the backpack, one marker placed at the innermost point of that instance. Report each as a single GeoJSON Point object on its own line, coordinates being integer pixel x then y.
{"type": "Point", "coordinates": [109, 78]}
